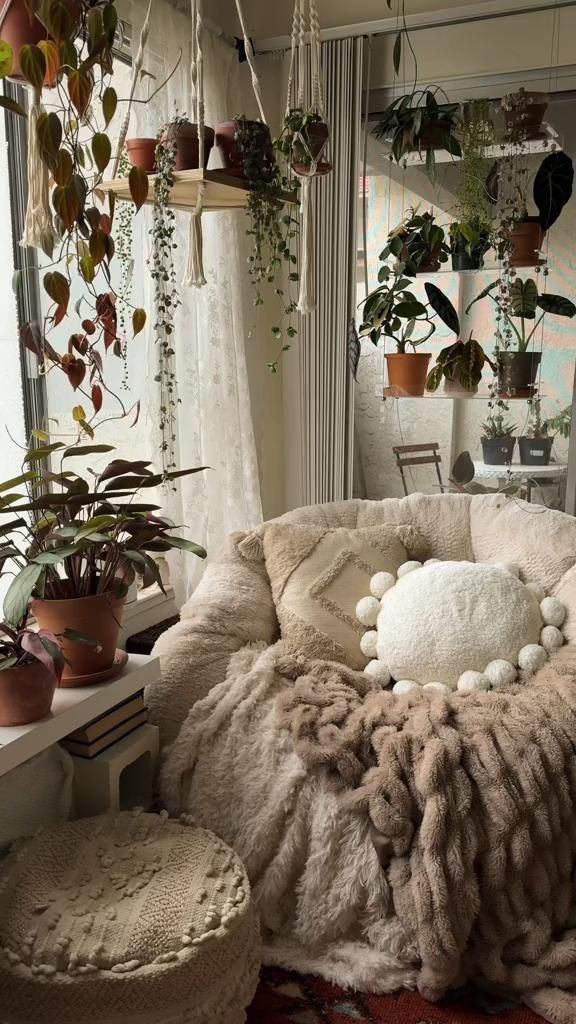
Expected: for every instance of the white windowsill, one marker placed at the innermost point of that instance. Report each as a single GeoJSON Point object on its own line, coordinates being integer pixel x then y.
{"type": "Point", "coordinates": [150, 607]}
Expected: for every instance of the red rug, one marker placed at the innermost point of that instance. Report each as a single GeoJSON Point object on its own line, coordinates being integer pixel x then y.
{"type": "Point", "coordinates": [286, 998]}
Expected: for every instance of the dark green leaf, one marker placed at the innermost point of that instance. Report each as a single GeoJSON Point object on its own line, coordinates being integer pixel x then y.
{"type": "Point", "coordinates": [524, 298]}
{"type": "Point", "coordinates": [442, 306]}
{"type": "Point", "coordinates": [101, 150]}
{"type": "Point", "coordinates": [80, 638]}
{"type": "Point", "coordinates": [55, 555]}
{"type": "Point", "coordinates": [434, 378]}
{"type": "Point", "coordinates": [138, 184]}
{"type": "Point", "coordinates": [80, 90]}
{"type": "Point", "coordinates": [109, 103]}
{"type": "Point", "coordinates": [87, 449]}
{"type": "Point", "coordinates": [557, 304]}
{"type": "Point", "coordinates": [485, 291]}
{"type": "Point", "coordinates": [33, 65]}
{"type": "Point", "coordinates": [553, 187]}
{"type": "Point", "coordinates": [9, 104]}
{"type": "Point", "coordinates": [408, 310]}
{"type": "Point", "coordinates": [397, 52]}
{"type": "Point", "coordinates": [19, 593]}
{"type": "Point", "coordinates": [34, 454]}
{"type": "Point", "coordinates": [186, 545]}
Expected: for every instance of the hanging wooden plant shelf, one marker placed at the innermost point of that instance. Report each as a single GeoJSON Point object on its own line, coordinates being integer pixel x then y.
{"type": "Point", "coordinates": [223, 190]}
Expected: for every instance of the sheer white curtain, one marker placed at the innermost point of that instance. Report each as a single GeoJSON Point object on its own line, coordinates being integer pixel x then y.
{"type": "Point", "coordinates": [214, 417]}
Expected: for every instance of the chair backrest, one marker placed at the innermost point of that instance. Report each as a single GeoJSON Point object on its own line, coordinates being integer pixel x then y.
{"type": "Point", "coordinates": [418, 455]}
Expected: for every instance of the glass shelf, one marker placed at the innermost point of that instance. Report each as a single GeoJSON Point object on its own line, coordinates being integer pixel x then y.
{"type": "Point", "coordinates": [438, 396]}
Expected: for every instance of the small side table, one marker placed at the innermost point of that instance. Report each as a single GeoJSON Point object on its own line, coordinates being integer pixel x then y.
{"type": "Point", "coordinates": [531, 476]}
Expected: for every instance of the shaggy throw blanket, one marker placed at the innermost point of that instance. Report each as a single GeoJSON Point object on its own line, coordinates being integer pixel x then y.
{"type": "Point", "coordinates": [401, 841]}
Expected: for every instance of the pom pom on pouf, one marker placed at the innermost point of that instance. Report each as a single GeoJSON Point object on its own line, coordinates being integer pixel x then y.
{"type": "Point", "coordinates": [537, 589]}
{"type": "Point", "coordinates": [437, 687]}
{"type": "Point", "coordinates": [368, 643]}
{"type": "Point", "coordinates": [532, 657]}
{"type": "Point", "coordinates": [408, 567]}
{"type": "Point", "coordinates": [473, 681]}
{"type": "Point", "coordinates": [380, 583]}
{"type": "Point", "coordinates": [500, 672]}
{"type": "Point", "coordinates": [378, 671]}
{"type": "Point", "coordinates": [508, 567]}
{"type": "Point", "coordinates": [405, 686]}
{"type": "Point", "coordinates": [367, 610]}
{"type": "Point", "coordinates": [553, 611]}
{"type": "Point", "coordinates": [551, 638]}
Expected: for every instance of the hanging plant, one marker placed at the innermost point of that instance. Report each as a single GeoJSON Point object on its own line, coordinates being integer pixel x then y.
{"type": "Point", "coordinates": [303, 141]}
{"type": "Point", "coordinates": [472, 233]}
{"type": "Point", "coordinates": [124, 242]}
{"type": "Point", "coordinates": [70, 147]}
{"type": "Point", "coordinates": [272, 226]}
{"type": "Point", "coordinates": [166, 295]}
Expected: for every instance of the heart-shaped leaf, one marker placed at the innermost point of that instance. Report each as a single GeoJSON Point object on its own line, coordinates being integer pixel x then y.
{"type": "Point", "coordinates": [49, 135]}
{"type": "Point", "coordinates": [87, 269]}
{"type": "Point", "coordinates": [80, 90]}
{"type": "Point", "coordinates": [101, 150]}
{"type": "Point", "coordinates": [138, 183]}
{"type": "Point", "coordinates": [52, 58]}
{"type": "Point", "coordinates": [67, 204]}
{"type": "Point", "coordinates": [553, 187]}
{"type": "Point", "coordinates": [6, 58]}
{"type": "Point", "coordinates": [57, 287]}
{"type": "Point", "coordinates": [138, 321]}
{"type": "Point", "coordinates": [76, 371]}
{"type": "Point", "coordinates": [78, 343]}
{"type": "Point", "coordinates": [78, 414]}
{"type": "Point", "coordinates": [97, 245]}
{"type": "Point", "coordinates": [88, 326]}
{"type": "Point", "coordinates": [97, 397]}
{"type": "Point", "coordinates": [95, 26]}
{"type": "Point", "coordinates": [109, 104]}
{"type": "Point", "coordinates": [524, 298]}
{"type": "Point", "coordinates": [33, 65]}
{"type": "Point", "coordinates": [68, 55]}
{"type": "Point", "coordinates": [63, 168]}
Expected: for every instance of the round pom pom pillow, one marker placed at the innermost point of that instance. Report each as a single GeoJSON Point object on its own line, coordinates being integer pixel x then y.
{"type": "Point", "coordinates": [458, 625]}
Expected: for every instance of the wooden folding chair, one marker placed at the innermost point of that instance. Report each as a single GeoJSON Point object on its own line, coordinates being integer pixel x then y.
{"type": "Point", "coordinates": [407, 455]}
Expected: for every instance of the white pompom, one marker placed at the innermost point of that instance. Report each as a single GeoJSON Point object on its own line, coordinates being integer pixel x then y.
{"type": "Point", "coordinates": [381, 583]}
{"type": "Point", "coordinates": [500, 672]}
{"type": "Point", "coordinates": [367, 610]}
{"type": "Point", "coordinates": [368, 643]}
{"type": "Point", "coordinates": [510, 567]}
{"type": "Point", "coordinates": [405, 686]}
{"type": "Point", "coordinates": [553, 611]}
{"type": "Point", "coordinates": [473, 681]}
{"type": "Point", "coordinates": [377, 670]}
{"type": "Point", "coordinates": [532, 657]}
{"type": "Point", "coordinates": [408, 567]}
{"type": "Point", "coordinates": [551, 638]}
{"type": "Point", "coordinates": [431, 561]}
{"type": "Point", "coordinates": [437, 687]}
{"type": "Point", "coordinates": [537, 589]}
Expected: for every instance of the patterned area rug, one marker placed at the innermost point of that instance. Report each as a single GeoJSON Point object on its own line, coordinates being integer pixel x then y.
{"type": "Point", "coordinates": [286, 998]}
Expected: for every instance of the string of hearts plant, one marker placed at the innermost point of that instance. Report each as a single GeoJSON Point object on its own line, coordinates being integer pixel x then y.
{"type": "Point", "coordinates": [76, 62]}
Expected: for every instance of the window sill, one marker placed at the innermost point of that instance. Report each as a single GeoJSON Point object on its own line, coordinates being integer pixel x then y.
{"type": "Point", "coordinates": [150, 607]}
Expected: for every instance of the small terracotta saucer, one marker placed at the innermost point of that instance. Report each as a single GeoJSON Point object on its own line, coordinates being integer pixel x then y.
{"type": "Point", "coordinates": [117, 666]}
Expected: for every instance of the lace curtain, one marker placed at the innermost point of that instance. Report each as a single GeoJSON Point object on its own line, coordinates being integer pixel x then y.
{"type": "Point", "coordinates": [214, 417]}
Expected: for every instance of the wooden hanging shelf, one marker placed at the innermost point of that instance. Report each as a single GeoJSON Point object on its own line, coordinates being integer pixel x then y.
{"type": "Point", "coordinates": [223, 191]}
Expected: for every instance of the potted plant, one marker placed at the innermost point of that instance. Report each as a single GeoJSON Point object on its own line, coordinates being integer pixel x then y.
{"type": "Point", "coordinates": [517, 368]}
{"type": "Point", "coordinates": [303, 140]}
{"type": "Point", "coordinates": [90, 541]}
{"type": "Point", "coordinates": [471, 234]}
{"type": "Point", "coordinates": [183, 136]}
{"type": "Point", "coordinates": [416, 122]}
{"type": "Point", "coordinates": [523, 232]}
{"type": "Point", "coordinates": [523, 113]}
{"type": "Point", "coordinates": [31, 23]}
{"type": "Point", "coordinates": [498, 438]}
{"type": "Point", "coordinates": [31, 664]}
{"type": "Point", "coordinates": [470, 241]}
{"type": "Point", "coordinates": [226, 140]}
{"type": "Point", "coordinates": [536, 444]}
{"type": "Point", "coordinates": [393, 311]}
{"type": "Point", "coordinates": [272, 227]}
{"type": "Point", "coordinates": [461, 365]}
{"type": "Point", "coordinates": [418, 244]}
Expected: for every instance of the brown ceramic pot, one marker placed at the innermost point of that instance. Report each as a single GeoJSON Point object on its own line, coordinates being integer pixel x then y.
{"type": "Point", "coordinates": [527, 239]}
{"type": "Point", "coordinates": [407, 372]}
{"type": "Point", "coordinates": [98, 617]}
{"type": "Point", "coordinates": [187, 148]}
{"type": "Point", "coordinates": [26, 693]}
{"type": "Point", "coordinates": [142, 153]}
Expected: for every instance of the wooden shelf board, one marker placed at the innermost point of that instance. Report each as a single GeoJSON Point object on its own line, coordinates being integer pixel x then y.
{"type": "Point", "coordinates": [223, 191]}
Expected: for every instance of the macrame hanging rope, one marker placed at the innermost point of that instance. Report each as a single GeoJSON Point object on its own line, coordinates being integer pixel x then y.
{"type": "Point", "coordinates": [195, 269]}
{"type": "Point", "coordinates": [136, 69]}
{"type": "Point", "coordinates": [249, 50]}
{"type": "Point", "coordinates": [38, 225]}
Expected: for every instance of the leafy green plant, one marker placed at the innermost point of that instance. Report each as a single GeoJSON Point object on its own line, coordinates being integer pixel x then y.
{"type": "Point", "coordinates": [522, 301]}
{"type": "Point", "coordinates": [416, 122]}
{"type": "Point", "coordinates": [418, 244]}
{"type": "Point", "coordinates": [272, 227]}
{"type": "Point", "coordinates": [393, 311]}
{"type": "Point", "coordinates": [497, 425]}
{"type": "Point", "coordinates": [460, 363]}
{"type": "Point", "coordinates": [302, 136]}
{"type": "Point", "coordinates": [535, 426]}
{"type": "Point", "coordinates": [560, 424]}
{"type": "Point", "coordinates": [20, 645]}
{"type": "Point", "coordinates": [77, 59]}
{"type": "Point", "coordinates": [63, 536]}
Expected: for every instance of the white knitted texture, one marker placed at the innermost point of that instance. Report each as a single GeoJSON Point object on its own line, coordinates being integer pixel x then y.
{"type": "Point", "coordinates": [154, 913]}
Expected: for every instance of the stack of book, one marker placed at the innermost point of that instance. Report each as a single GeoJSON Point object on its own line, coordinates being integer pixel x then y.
{"type": "Point", "coordinates": [110, 727]}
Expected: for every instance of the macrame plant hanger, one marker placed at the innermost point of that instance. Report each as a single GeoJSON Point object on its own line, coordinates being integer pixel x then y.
{"type": "Point", "coordinates": [38, 224]}
{"type": "Point", "coordinates": [310, 144]}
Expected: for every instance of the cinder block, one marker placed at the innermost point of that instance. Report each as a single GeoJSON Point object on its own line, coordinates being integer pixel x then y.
{"type": "Point", "coordinates": [121, 777]}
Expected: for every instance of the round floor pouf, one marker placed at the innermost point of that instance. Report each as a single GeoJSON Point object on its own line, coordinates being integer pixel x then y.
{"type": "Point", "coordinates": [126, 918]}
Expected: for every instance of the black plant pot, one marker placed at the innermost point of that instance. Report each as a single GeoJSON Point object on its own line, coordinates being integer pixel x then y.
{"type": "Point", "coordinates": [535, 451]}
{"type": "Point", "coordinates": [461, 258]}
{"type": "Point", "coordinates": [517, 372]}
{"type": "Point", "coordinates": [497, 451]}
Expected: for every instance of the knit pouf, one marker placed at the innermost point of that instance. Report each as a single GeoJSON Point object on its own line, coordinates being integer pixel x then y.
{"type": "Point", "coordinates": [126, 918]}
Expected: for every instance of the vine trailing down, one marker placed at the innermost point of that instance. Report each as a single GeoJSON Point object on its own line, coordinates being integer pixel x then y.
{"type": "Point", "coordinates": [76, 61]}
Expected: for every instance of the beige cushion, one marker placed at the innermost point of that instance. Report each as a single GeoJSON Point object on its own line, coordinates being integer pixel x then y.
{"type": "Point", "coordinates": [318, 576]}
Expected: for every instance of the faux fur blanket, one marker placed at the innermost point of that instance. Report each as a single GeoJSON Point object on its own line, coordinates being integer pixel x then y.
{"type": "Point", "coordinates": [401, 841]}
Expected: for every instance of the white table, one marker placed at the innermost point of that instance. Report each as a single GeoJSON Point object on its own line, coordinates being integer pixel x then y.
{"type": "Point", "coordinates": [533, 475]}
{"type": "Point", "coordinates": [72, 708]}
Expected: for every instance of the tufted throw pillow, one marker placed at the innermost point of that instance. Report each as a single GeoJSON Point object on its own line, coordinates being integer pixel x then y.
{"type": "Point", "coordinates": [317, 577]}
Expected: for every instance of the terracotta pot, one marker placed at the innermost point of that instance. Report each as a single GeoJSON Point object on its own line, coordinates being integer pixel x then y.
{"type": "Point", "coordinates": [497, 451]}
{"type": "Point", "coordinates": [26, 693]}
{"type": "Point", "coordinates": [142, 153]}
{"type": "Point", "coordinates": [187, 148]}
{"type": "Point", "coordinates": [407, 371]}
{"type": "Point", "coordinates": [98, 617]}
{"type": "Point", "coordinates": [528, 121]}
{"type": "Point", "coordinates": [517, 372]}
{"type": "Point", "coordinates": [230, 150]}
{"type": "Point", "coordinates": [535, 451]}
{"type": "Point", "coordinates": [527, 238]}
{"type": "Point", "coordinates": [19, 28]}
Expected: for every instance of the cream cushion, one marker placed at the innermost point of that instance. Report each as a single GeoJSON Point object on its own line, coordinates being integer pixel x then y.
{"type": "Point", "coordinates": [129, 918]}
{"type": "Point", "coordinates": [319, 575]}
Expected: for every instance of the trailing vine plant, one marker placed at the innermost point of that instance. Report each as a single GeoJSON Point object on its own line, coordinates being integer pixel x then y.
{"type": "Point", "coordinates": [272, 226]}
{"type": "Point", "coordinates": [124, 243]}
{"type": "Point", "coordinates": [166, 296]}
